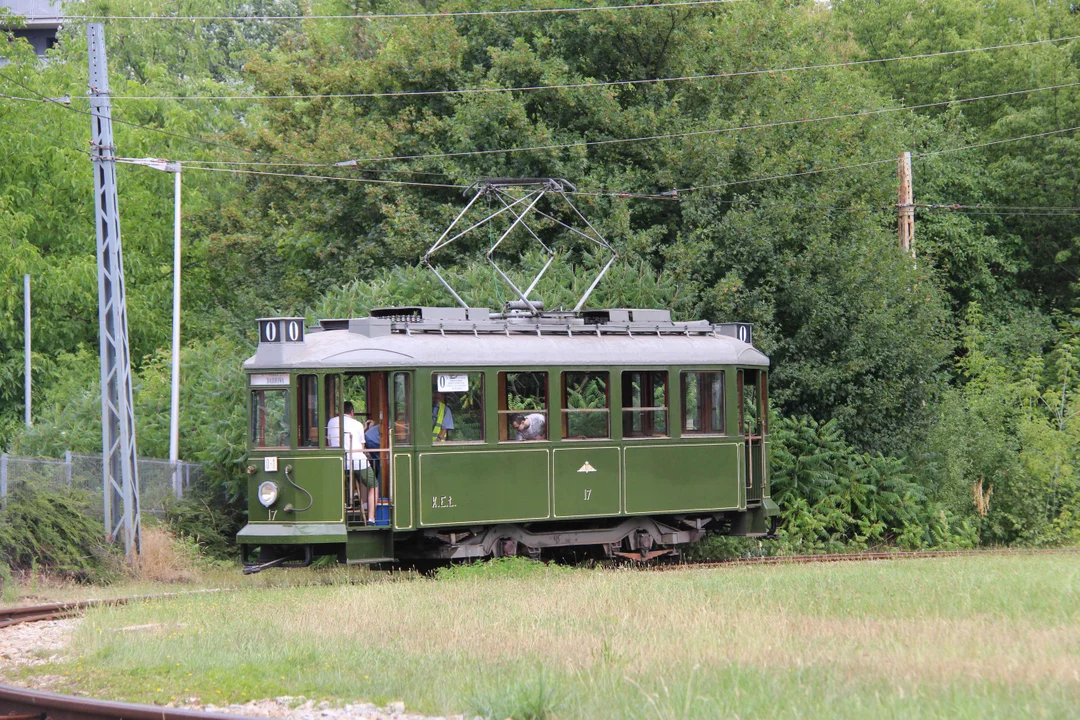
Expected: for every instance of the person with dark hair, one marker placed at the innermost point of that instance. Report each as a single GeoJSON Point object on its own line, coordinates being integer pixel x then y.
{"type": "Point", "coordinates": [356, 465]}
{"type": "Point", "coordinates": [529, 427]}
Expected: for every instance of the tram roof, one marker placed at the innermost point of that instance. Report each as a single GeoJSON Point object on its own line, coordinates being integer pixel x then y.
{"type": "Point", "coordinates": [474, 337]}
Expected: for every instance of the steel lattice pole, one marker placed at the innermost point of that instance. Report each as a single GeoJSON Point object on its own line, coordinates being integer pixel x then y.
{"type": "Point", "coordinates": [120, 469]}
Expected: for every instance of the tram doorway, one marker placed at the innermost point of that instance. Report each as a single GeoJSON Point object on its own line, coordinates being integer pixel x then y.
{"type": "Point", "coordinates": [367, 391]}
{"type": "Point", "coordinates": [753, 424]}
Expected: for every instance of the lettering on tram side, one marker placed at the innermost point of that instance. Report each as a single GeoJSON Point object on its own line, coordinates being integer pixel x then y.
{"type": "Point", "coordinates": [588, 493]}
{"type": "Point", "coordinates": [443, 501]}
{"type": "Point", "coordinates": [273, 515]}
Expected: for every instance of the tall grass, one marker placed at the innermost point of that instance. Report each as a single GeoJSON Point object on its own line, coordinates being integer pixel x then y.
{"type": "Point", "coordinates": [986, 636]}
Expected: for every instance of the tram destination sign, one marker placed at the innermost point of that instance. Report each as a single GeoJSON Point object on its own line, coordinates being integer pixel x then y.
{"type": "Point", "coordinates": [453, 383]}
{"type": "Point", "coordinates": [281, 330]}
{"type": "Point", "coordinates": [269, 379]}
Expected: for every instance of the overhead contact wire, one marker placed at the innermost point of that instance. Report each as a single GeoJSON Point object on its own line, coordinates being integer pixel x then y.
{"type": "Point", "coordinates": [712, 131]}
{"type": "Point", "coordinates": [606, 83]}
{"type": "Point", "coordinates": [409, 16]}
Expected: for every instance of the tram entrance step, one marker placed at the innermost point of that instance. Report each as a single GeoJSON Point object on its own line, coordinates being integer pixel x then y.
{"type": "Point", "coordinates": [367, 545]}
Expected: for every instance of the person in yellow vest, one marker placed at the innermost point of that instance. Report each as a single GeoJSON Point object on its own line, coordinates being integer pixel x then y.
{"type": "Point", "coordinates": [442, 420]}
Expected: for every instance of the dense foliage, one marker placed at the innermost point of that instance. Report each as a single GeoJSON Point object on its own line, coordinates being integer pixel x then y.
{"type": "Point", "coordinates": [918, 403]}
{"type": "Point", "coordinates": [52, 529]}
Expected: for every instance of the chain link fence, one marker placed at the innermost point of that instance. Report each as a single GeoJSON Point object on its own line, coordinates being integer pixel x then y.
{"type": "Point", "coordinates": [84, 472]}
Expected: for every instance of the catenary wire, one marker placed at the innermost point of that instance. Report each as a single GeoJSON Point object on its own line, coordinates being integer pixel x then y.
{"type": "Point", "coordinates": [693, 133]}
{"type": "Point", "coordinates": [609, 141]}
{"type": "Point", "coordinates": [24, 99]}
{"type": "Point", "coordinates": [674, 194]}
{"type": "Point", "coordinates": [950, 208]}
{"type": "Point", "coordinates": [853, 166]}
{"type": "Point", "coordinates": [995, 142]}
{"type": "Point", "coordinates": [611, 83]}
{"type": "Point", "coordinates": [408, 16]}
{"type": "Point", "coordinates": [149, 128]}
{"type": "Point", "coordinates": [712, 131]}
{"type": "Point", "coordinates": [373, 181]}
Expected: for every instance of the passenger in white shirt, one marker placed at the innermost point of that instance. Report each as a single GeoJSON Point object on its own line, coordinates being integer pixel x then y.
{"type": "Point", "coordinates": [529, 427]}
{"type": "Point", "coordinates": [354, 449]}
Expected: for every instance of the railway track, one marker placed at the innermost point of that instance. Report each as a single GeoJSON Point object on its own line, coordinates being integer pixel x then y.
{"type": "Point", "coordinates": [859, 557]}
{"type": "Point", "coordinates": [51, 611]}
{"type": "Point", "coordinates": [22, 704]}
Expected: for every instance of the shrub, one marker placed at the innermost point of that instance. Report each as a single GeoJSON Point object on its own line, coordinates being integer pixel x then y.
{"type": "Point", "coordinates": [54, 529]}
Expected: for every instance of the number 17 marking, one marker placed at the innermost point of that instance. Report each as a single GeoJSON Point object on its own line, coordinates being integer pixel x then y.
{"type": "Point", "coordinates": [588, 492]}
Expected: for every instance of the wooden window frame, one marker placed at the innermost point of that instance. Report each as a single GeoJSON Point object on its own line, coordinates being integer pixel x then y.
{"type": "Point", "coordinates": [648, 389]}
{"type": "Point", "coordinates": [505, 412]}
{"type": "Point", "coordinates": [566, 410]}
{"type": "Point", "coordinates": [482, 405]}
{"type": "Point", "coordinates": [705, 404]}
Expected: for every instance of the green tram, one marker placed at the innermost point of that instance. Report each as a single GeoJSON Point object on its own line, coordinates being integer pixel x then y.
{"type": "Point", "coordinates": [612, 432]}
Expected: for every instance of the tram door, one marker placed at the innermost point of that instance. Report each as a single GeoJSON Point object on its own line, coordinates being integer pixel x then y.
{"type": "Point", "coordinates": [367, 393]}
{"type": "Point", "coordinates": [753, 419]}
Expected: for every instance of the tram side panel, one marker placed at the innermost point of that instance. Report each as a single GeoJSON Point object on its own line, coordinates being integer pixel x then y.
{"type": "Point", "coordinates": [681, 477]}
{"type": "Point", "coordinates": [463, 487]}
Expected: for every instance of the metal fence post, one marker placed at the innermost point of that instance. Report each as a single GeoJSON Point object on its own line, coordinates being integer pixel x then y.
{"type": "Point", "coordinates": [67, 467]}
{"type": "Point", "coordinates": [3, 480]}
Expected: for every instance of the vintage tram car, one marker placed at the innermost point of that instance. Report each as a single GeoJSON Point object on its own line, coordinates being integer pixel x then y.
{"type": "Point", "coordinates": [618, 432]}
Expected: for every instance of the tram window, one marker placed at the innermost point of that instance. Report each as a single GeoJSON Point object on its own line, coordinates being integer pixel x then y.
{"type": "Point", "coordinates": [457, 407]}
{"type": "Point", "coordinates": [307, 410]}
{"type": "Point", "coordinates": [356, 392]}
{"type": "Point", "coordinates": [764, 403]}
{"type": "Point", "coordinates": [752, 404]}
{"type": "Point", "coordinates": [645, 403]}
{"type": "Point", "coordinates": [402, 424]}
{"type": "Point", "coordinates": [270, 418]}
{"type": "Point", "coordinates": [332, 392]}
{"type": "Point", "coordinates": [585, 405]}
{"type": "Point", "coordinates": [523, 406]}
{"type": "Point", "coordinates": [703, 403]}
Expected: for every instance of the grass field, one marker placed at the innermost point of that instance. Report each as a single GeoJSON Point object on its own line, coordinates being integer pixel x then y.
{"type": "Point", "coordinates": [990, 636]}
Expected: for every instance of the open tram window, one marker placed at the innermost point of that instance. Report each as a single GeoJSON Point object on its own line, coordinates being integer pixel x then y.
{"type": "Point", "coordinates": [752, 395]}
{"type": "Point", "coordinates": [356, 387]}
{"type": "Point", "coordinates": [523, 406]}
{"type": "Point", "coordinates": [402, 416]}
{"type": "Point", "coordinates": [703, 403]}
{"type": "Point", "coordinates": [307, 411]}
{"type": "Point", "coordinates": [457, 407]}
{"type": "Point", "coordinates": [586, 400]}
{"type": "Point", "coordinates": [645, 403]}
{"type": "Point", "coordinates": [270, 418]}
{"type": "Point", "coordinates": [332, 393]}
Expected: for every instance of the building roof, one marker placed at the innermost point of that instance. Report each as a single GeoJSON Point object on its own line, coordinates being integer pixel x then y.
{"type": "Point", "coordinates": [458, 338]}
{"type": "Point", "coordinates": [37, 13]}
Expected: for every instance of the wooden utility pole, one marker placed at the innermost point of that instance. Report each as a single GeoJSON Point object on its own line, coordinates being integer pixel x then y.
{"type": "Point", "coordinates": [905, 204]}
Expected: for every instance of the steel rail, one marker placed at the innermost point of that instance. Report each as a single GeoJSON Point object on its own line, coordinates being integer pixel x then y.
{"type": "Point", "coordinates": [857, 557]}
{"type": "Point", "coordinates": [18, 703]}
{"type": "Point", "coordinates": [50, 611]}
{"type": "Point", "coordinates": [22, 704]}
{"type": "Point", "coordinates": [54, 611]}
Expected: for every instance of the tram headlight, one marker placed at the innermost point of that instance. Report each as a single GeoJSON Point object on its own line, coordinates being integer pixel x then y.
{"type": "Point", "coordinates": [268, 493]}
